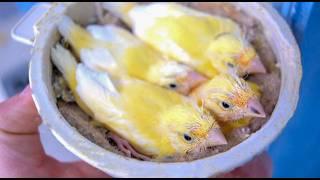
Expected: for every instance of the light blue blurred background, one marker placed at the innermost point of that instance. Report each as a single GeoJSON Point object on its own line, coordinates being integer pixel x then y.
{"type": "Point", "coordinates": [296, 153]}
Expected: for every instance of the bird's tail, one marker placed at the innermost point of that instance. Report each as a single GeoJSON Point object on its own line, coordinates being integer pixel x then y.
{"type": "Point", "coordinates": [73, 33]}
{"type": "Point", "coordinates": [66, 64]}
{"type": "Point", "coordinates": [120, 9]}
{"type": "Point", "coordinates": [112, 34]}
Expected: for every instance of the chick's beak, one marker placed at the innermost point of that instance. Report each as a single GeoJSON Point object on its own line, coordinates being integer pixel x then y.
{"type": "Point", "coordinates": [215, 138]}
{"type": "Point", "coordinates": [255, 108]}
{"type": "Point", "coordinates": [194, 79]}
{"type": "Point", "coordinates": [256, 66]}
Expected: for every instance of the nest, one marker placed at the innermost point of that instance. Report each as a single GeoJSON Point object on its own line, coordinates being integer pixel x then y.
{"type": "Point", "coordinates": [269, 82]}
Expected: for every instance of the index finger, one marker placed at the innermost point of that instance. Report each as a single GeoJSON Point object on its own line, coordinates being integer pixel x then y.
{"type": "Point", "coordinates": [19, 115]}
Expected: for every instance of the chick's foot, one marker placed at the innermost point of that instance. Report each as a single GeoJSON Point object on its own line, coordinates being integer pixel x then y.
{"type": "Point", "coordinates": [125, 147]}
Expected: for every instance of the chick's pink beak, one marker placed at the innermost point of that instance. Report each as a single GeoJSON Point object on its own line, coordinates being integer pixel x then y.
{"type": "Point", "coordinates": [256, 66]}
{"type": "Point", "coordinates": [255, 108]}
{"type": "Point", "coordinates": [215, 137]}
{"type": "Point", "coordinates": [195, 79]}
{"type": "Point", "coordinates": [191, 81]}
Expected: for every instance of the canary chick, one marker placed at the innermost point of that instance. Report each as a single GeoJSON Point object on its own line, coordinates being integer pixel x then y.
{"type": "Point", "coordinates": [210, 44]}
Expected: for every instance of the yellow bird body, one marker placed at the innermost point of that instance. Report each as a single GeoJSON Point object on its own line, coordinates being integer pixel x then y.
{"type": "Point", "coordinates": [210, 44]}
{"type": "Point", "coordinates": [228, 127]}
{"type": "Point", "coordinates": [155, 121]}
{"type": "Point", "coordinates": [189, 39]}
{"type": "Point", "coordinates": [116, 51]}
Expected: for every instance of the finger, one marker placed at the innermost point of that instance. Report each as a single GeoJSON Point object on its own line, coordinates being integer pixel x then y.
{"type": "Point", "coordinates": [19, 115]}
{"type": "Point", "coordinates": [259, 167]}
{"type": "Point", "coordinates": [80, 169]}
{"type": "Point", "coordinates": [20, 151]}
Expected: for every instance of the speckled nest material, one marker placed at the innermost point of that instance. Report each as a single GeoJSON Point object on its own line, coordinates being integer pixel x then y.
{"type": "Point", "coordinates": [269, 83]}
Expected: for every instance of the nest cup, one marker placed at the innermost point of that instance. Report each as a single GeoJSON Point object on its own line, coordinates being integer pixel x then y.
{"type": "Point", "coordinates": [276, 31]}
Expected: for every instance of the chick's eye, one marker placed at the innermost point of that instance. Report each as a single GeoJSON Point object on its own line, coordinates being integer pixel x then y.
{"type": "Point", "coordinates": [225, 105]}
{"type": "Point", "coordinates": [230, 64]}
{"type": "Point", "coordinates": [172, 85]}
{"type": "Point", "coordinates": [187, 137]}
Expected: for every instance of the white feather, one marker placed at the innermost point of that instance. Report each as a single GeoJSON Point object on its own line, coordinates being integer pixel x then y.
{"type": "Point", "coordinates": [99, 59]}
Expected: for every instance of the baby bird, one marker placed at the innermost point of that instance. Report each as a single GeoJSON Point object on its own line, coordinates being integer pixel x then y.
{"type": "Point", "coordinates": [116, 51]}
{"type": "Point", "coordinates": [157, 122]}
{"type": "Point", "coordinates": [210, 44]}
{"type": "Point", "coordinates": [229, 98]}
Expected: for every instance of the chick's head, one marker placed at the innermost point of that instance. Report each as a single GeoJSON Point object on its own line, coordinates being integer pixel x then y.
{"type": "Point", "coordinates": [191, 128]}
{"type": "Point", "coordinates": [232, 52]}
{"type": "Point", "coordinates": [229, 98]}
{"type": "Point", "coordinates": [175, 76]}
{"type": "Point", "coordinates": [249, 62]}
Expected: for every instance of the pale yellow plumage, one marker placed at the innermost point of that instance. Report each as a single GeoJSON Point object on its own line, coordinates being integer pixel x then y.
{"type": "Point", "coordinates": [116, 51]}
{"type": "Point", "coordinates": [210, 44]}
{"type": "Point", "coordinates": [154, 120]}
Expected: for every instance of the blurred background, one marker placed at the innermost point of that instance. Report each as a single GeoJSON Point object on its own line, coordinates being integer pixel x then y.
{"type": "Point", "coordinates": [296, 152]}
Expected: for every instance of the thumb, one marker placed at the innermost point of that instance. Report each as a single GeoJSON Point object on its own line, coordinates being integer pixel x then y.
{"type": "Point", "coordinates": [259, 167]}
{"type": "Point", "coordinates": [79, 169]}
{"type": "Point", "coordinates": [19, 115]}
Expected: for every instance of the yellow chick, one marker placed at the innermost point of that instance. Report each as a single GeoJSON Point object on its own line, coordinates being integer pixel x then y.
{"type": "Point", "coordinates": [229, 98]}
{"type": "Point", "coordinates": [210, 44]}
{"type": "Point", "coordinates": [117, 51]}
{"type": "Point", "coordinates": [157, 122]}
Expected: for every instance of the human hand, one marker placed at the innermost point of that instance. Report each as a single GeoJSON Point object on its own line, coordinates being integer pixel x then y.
{"type": "Point", "coordinates": [259, 167]}
{"type": "Point", "coordinates": [21, 152]}
{"type": "Point", "coordinates": [22, 155]}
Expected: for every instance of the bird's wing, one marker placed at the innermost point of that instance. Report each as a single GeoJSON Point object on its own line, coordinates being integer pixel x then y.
{"type": "Point", "coordinates": [98, 93]}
